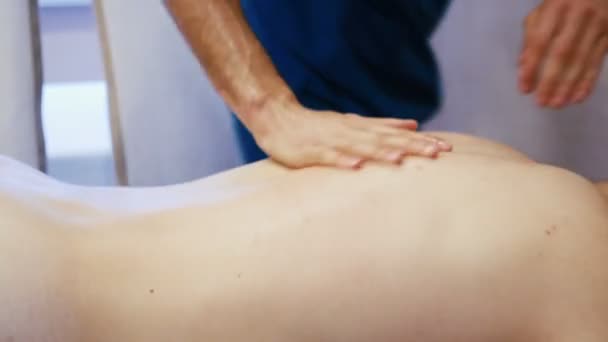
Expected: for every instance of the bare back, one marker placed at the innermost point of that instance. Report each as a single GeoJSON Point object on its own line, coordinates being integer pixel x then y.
{"type": "Point", "coordinates": [479, 245]}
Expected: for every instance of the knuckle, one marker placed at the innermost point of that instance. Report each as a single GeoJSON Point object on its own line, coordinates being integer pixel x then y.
{"type": "Point", "coordinates": [343, 144]}
{"type": "Point", "coordinates": [577, 62]}
{"type": "Point", "coordinates": [563, 4]}
{"type": "Point", "coordinates": [562, 52]}
{"type": "Point", "coordinates": [601, 15]}
{"type": "Point", "coordinates": [392, 142]}
{"type": "Point", "coordinates": [401, 141]}
{"type": "Point", "coordinates": [354, 148]}
{"type": "Point", "coordinates": [535, 39]}
{"type": "Point", "coordinates": [576, 72]}
{"type": "Point", "coordinates": [383, 139]}
{"type": "Point", "coordinates": [548, 85]}
{"type": "Point", "coordinates": [331, 135]}
{"type": "Point", "coordinates": [548, 82]}
{"type": "Point", "coordinates": [555, 72]}
{"type": "Point", "coordinates": [415, 145]}
{"type": "Point", "coordinates": [602, 21]}
{"type": "Point", "coordinates": [587, 11]}
{"type": "Point", "coordinates": [543, 35]}
{"type": "Point", "coordinates": [374, 152]}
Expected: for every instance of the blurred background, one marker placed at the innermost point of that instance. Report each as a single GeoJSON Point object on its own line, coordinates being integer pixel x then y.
{"type": "Point", "coordinates": [75, 112]}
{"type": "Point", "coordinates": [107, 92]}
{"type": "Point", "coordinates": [123, 100]}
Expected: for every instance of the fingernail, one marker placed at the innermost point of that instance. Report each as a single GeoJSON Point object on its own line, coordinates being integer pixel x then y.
{"type": "Point", "coordinates": [395, 157]}
{"type": "Point", "coordinates": [579, 97]}
{"type": "Point", "coordinates": [558, 101]}
{"type": "Point", "coordinates": [444, 145]}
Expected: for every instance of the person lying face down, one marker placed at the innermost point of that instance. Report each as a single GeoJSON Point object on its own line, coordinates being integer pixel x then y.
{"type": "Point", "coordinates": [479, 245]}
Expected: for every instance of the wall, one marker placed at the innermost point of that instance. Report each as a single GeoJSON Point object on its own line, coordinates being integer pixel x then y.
{"type": "Point", "coordinates": [75, 112]}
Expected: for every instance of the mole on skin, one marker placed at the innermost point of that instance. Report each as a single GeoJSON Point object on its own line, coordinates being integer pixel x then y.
{"type": "Point", "coordinates": [551, 230]}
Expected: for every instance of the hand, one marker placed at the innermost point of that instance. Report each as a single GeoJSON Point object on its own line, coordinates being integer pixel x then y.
{"type": "Point", "coordinates": [564, 48]}
{"type": "Point", "coordinates": [298, 137]}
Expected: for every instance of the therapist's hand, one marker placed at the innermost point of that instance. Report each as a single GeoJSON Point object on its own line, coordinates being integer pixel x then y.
{"type": "Point", "coordinates": [564, 48]}
{"type": "Point", "coordinates": [298, 137]}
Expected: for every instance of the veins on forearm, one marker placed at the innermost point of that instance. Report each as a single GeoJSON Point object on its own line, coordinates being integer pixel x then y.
{"type": "Point", "coordinates": [234, 59]}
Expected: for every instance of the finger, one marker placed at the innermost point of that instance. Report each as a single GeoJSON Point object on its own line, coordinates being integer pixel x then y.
{"type": "Point", "coordinates": [380, 151]}
{"type": "Point", "coordinates": [366, 151]}
{"type": "Point", "coordinates": [408, 143]}
{"type": "Point", "coordinates": [413, 145]}
{"type": "Point", "coordinates": [393, 156]}
{"type": "Point", "coordinates": [390, 131]}
{"type": "Point", "coordinates": [560, 55]}
{"type": "Point", "coordinates": [334, 158]}
{"type": "Point", "coordinates": [537, 42]}
{"type": "Point", "coordinates": [391, 122]}
{"type": "Point", "coordinates": [397, 123]}
{"type": "Point", "coordinates": [529, 22]}
{"type": "Point", "coordinates": [571, 82]}
{"type": "Point", "coordinates": [444, 145]}
{"type": "Point", "coordinates": [592, 74]}
{"type": "Point", "coordinates": [582, 42]}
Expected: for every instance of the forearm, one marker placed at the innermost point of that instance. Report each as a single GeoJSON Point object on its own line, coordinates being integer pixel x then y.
{"type": "Point", "coordinates": [234, 59]}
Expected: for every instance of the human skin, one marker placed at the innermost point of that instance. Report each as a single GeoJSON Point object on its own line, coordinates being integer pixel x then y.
{"type": "Point", "coordinates": [480, 244]}
{"type": "Point", "coordinates": [245, 77]}
{"type": "Point", "coordinates": [564, 48]}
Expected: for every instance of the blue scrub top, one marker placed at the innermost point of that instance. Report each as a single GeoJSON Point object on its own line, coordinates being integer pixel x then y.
{"type": "Point", "coordinates": [370, 57]}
